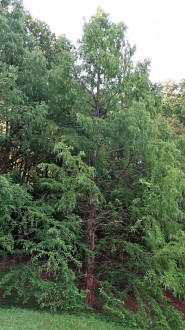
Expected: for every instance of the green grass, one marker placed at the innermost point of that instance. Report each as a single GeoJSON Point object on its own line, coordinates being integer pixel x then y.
{"type": "Point", "coordinates": [25, 319]}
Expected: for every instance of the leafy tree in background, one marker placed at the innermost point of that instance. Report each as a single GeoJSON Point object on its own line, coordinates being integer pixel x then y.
{"type": "Point", "coordinates": [29, 222]}
{"type": "Point", "coordinates": [24, 95]}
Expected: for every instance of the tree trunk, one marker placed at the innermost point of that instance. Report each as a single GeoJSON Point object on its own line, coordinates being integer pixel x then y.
{"type": "Point", "coordinates": [91, 221]}
{"type": "Point", "coordinates": [90, 227]}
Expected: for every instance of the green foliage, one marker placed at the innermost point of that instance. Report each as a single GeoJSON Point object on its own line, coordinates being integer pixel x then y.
{"type": "Point", "coordinates": [51, 244]}
{"type": "Point", "coordinates": [92, 171]}
{"type": "Point", "coordinates": [148, 314]}
{"type": "Point", "coordinates": [33, 76]}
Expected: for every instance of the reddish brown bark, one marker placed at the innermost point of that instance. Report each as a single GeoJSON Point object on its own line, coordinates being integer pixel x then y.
{"type": "Point", "coordinates": [91, 221]}
{"type": "Point", "coordinates": [89, 274]}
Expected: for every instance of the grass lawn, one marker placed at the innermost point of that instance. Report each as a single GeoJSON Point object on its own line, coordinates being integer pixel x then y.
{"type": "Point", "coordinates": [25, 319]}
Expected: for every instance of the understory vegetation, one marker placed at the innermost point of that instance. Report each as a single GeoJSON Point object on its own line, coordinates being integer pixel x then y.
{"type": "Point", "coordinates": [92, 175]}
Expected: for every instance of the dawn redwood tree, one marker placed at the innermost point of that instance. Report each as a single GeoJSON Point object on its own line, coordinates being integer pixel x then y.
{"type": "Point", "coordinates": [106, 63]}
{"type": "Point", "coordinates": [126, 140]}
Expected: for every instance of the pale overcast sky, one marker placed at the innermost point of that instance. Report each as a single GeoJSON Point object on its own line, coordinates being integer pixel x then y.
{"type": "Point", "coordinates": [157, 27]}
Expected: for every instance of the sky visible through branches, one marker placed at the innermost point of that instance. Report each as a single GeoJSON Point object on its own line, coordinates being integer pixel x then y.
{"type": "Point", "coordinates": [157, 27]}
